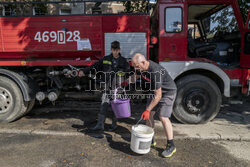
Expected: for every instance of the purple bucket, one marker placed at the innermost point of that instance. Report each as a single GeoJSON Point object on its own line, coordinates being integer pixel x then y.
{"type": "Point", "coordinates": [121, 107]}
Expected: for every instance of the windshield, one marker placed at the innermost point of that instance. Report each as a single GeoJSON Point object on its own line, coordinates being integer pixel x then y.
{"type": "Point", "coordinates": [221, 22]}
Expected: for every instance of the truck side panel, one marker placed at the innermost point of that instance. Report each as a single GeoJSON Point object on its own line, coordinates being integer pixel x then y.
{"type": "Point", "coordinates": [50, 33]}
{"type": "Point", "coordinates": [1, 38]}
{"type": "Point", "coordinates": [131, 30]}
{"type": "Point", "coordinates": [55, 37]}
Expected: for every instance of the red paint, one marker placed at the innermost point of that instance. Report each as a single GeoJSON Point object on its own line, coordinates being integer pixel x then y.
{"type": "Point", "coordinates": [173, 46]}
{"type": "Point", "coordinates": [45, 62]}
{"type": "Point", "coordinates": [246, 78]}
{"type": "Point", "coordinates": [245, 59]}
{"type": "Point", "coordinates": [154, 40]}
{"type": "Point", "coordinates": [17, 34]}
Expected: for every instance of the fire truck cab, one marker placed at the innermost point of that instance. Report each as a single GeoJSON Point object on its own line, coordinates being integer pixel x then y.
{"type": "Point", "coordinates": [204, 45]}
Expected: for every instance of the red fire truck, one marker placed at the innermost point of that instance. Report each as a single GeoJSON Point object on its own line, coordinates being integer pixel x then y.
{"type": "Point", "coordinates": [205, 51]}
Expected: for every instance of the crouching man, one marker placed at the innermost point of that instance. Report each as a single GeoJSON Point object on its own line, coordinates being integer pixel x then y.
{"type": "Point", "coordinates": [164, 92]}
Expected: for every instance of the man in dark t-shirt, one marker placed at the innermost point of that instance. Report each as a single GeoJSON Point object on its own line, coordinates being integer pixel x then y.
{"type": "Point", "coordinates": [158, 77]}
{"type": "Point", "coordinates": [163, 91]}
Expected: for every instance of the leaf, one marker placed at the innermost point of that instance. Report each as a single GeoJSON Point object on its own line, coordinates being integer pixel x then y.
{"type": "Point", "coordinates": [93, 143]}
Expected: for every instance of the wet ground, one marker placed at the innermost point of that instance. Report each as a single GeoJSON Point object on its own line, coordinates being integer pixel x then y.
{"type": "Point", "coordinates": [36, 150]}
{"type": "Point", "coordinates": [58, 136]}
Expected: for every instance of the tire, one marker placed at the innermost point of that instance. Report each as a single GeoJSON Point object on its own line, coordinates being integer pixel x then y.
{"type": "Point", "coordinates": [198, 99]}
{"type": "Point", "coordinates": [12, 105]}
{"type": "Point", "coordinates": [31, 104]}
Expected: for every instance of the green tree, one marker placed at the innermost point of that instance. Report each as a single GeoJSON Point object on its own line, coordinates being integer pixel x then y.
{"type": "Point", "coordinates": [225, 21]}
{"type": "Point", "coordinates": [135, 6]}
{"type": "Point", "coordinates": [243, 9]}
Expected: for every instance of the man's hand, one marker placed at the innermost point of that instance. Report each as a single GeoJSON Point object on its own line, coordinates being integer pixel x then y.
{"type": "Point", "coordinates": [67, 73]}
{"type": "Point", "coordinates": [145, 115]}
{"type": "Point", "coordinates": [124, 84]}
{"type": "Point", "coordinates": [81, 73]}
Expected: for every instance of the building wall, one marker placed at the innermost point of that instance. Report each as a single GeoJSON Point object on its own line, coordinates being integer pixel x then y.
{"type": "Point", "coordinates": [58, 8]}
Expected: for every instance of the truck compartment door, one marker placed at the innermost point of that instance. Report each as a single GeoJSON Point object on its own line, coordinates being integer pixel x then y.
{"type": "Point", "coordinates": [131, 43]}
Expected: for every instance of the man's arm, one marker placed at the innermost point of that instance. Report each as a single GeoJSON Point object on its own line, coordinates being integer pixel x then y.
{"type": "Point", "coordinates": [156, 99]}
{"type": "Point", "coordinates": [158, 94]}
{"type": "Point", "coordinates": [157, 84]}
{"type": "Point", "coordinates": [130, 79]}
{"type": "Point", "coordinates": [126, 66]}
{"type": "Point", "coordinates": [97, 66]}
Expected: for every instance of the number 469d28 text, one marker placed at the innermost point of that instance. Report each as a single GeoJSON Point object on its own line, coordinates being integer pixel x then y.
{"type": "Point", "coordinates": [61, 37]}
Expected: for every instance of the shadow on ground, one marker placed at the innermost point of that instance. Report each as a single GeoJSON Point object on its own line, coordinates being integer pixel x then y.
{"type": "Point", "coordinates": [235, 113]}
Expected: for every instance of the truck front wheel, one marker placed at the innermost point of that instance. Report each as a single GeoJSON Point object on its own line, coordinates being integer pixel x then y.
{"type": "Point", "coordinates": [198, 99]}
{"type": "Point", "coordinates": [12, 104]}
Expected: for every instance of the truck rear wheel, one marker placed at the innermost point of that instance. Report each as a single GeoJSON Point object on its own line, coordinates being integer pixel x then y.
{"type": "Point", "coordinates": [31, 104]}
{"type": "Point", "coordinates": [198, 99]}
{"type": "Point", "coordinates": [12, 104]}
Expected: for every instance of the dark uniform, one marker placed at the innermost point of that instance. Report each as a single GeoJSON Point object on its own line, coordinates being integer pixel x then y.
{"type": "Point", "coordinates": [111, 72]}
{"type": "Point", "coordinates": [109, 66]}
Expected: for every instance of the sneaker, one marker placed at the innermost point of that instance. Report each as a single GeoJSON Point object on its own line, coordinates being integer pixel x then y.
{"type": "Point", "coordinates": [153, 144]}
{"type": "Point", "coordinates": [169, 151]}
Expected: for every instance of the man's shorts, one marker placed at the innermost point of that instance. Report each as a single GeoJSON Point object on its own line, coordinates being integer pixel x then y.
{"type": "Point", "coordinates": [165, 106]}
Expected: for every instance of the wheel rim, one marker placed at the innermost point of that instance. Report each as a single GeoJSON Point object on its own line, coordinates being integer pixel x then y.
{"type": "Point", "coordinates": [196, 101]}
{"type": "Point", "coordinates": [6, 100]}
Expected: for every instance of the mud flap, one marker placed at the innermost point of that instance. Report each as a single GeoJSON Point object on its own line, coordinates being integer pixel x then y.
{"type": "Point", "coordinates": [28, 87]}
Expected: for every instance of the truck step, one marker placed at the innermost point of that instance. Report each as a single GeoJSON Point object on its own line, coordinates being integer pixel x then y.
{"type": "Point", "coordinates": [235, 102]}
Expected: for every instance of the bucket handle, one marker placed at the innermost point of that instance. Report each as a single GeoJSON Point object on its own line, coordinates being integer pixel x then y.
{"type": "Point", "coordinates": [141, 120]}
{"type": "Point", "coordinates": [115, 92]}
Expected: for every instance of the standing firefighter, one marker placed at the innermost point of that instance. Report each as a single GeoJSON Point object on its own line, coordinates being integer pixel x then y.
{"type": "Point", "coordinates": [112, 68]}
{"type": "Point", "coordinates": [164, 93]}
